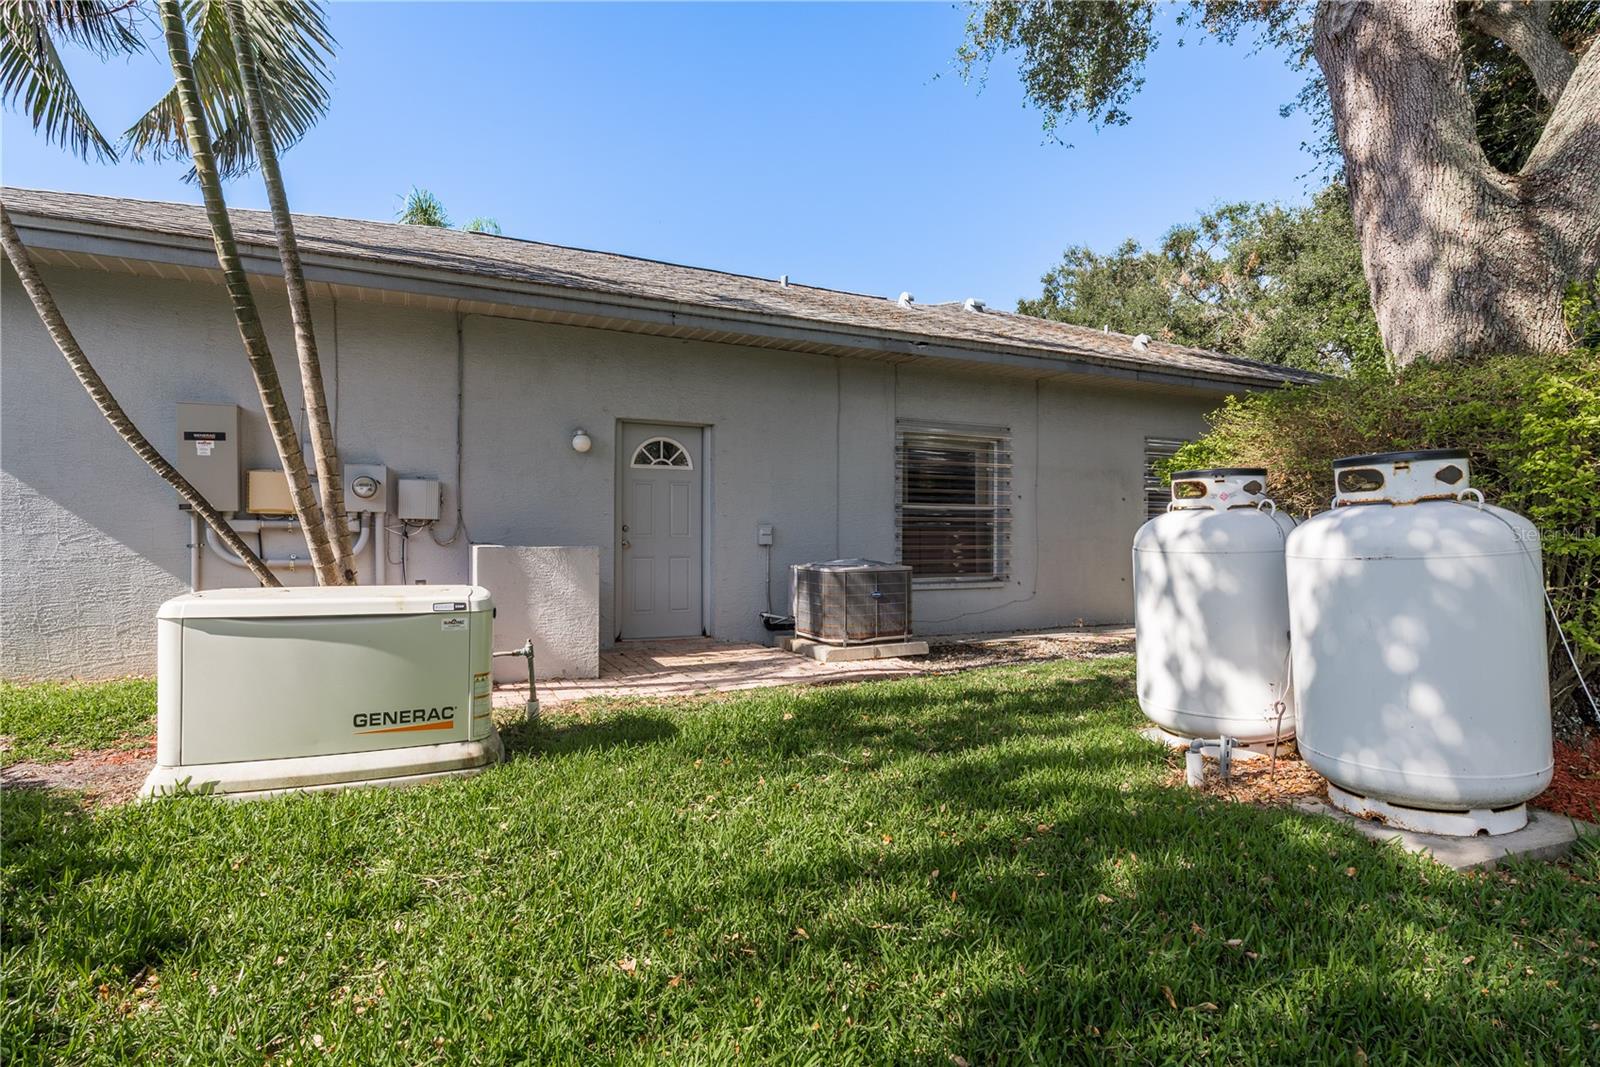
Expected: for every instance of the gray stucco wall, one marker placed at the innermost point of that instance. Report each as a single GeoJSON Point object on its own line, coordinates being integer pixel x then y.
{"type": "Point", "coordinates": [93, 542]}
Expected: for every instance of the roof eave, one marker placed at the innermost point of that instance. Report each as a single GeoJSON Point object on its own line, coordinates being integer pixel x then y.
{"type": "Point", "coordinates": [184, 250]}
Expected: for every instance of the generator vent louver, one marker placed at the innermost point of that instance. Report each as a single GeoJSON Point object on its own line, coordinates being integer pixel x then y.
{"type": "Point", "coordinates": [852, 601]}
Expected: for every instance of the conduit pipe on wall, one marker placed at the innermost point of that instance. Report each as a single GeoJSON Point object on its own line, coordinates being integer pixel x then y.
{"type": "Point", "coordinates": [380, 551]}
{"type": "Point", "coordinates": [194, 551]}
{"type": "Point", "coordinates": [227, 555]}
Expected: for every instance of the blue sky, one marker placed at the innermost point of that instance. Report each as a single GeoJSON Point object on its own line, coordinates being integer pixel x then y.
{"type": "Point", "coordinates": [834, 143]}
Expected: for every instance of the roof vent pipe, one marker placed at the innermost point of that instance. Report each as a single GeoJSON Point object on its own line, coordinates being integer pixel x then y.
{"type": "Point", "coordinates": [973, 304]}
{"type": "Point", "coordinates": [783, 281]}
{"type": "Point", "coordinates": [906, 300]}
{"type": "Point", "coordinates": [1142, 342]}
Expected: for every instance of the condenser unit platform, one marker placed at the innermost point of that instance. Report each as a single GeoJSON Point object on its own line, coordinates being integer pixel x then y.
{"type": "Point", "coordinates": [262, 691]}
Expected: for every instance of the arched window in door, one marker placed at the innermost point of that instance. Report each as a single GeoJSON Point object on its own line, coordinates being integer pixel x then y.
{"type": "Point", "coordinates": [662, 452]}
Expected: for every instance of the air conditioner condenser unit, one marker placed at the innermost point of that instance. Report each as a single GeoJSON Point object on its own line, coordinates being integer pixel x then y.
{"type": "Point", "coordinates": [852, 601]}
{"type": "Point", "coordinates": [261, 691]}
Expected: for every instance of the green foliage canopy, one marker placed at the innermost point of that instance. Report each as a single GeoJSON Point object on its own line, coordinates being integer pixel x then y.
{"type": "Point", "coordinates": [423, 208]}
{"type": "Point", "coordinates": [1086, 60]}
{"type": "Point", "coordinates": [1284, 285]}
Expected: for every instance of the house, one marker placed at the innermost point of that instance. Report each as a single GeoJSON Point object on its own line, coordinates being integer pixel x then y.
{"type": "Point", "coordinates": [638, 430]}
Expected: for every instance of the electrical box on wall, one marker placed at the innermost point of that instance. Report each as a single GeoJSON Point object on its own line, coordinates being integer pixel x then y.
{"type": "Point", "coordinates": [208, 452]}
{"type": "Point", "coordinates": [267, 493]}
{"type": "Point", "coordinates": [368, 487]}
{"type": "Point", "coordinates": [420, 499]}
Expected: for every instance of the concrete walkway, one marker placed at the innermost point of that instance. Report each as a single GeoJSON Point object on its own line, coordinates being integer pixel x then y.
{"type": "Point", "coordinates": [698, 665]}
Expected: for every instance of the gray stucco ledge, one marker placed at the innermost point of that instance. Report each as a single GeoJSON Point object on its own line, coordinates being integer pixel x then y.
{"type": "Point", "coordinates": [550, 593]}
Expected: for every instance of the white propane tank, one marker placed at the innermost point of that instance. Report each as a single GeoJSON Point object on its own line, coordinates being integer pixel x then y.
{"type": "Point", "coordinates": [1419, 647]}
{"type": "Point", "coordinates": [1211, 612]}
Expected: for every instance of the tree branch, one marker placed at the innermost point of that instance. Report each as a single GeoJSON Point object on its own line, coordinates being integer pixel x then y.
{"type": "Point", "coordinates": [1524, 27]}
{"type": "Point", "coordinates": [1571, 137]}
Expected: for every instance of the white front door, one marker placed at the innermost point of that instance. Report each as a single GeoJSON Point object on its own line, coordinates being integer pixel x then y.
{"type": "Point", "coordinates": [659, 537]}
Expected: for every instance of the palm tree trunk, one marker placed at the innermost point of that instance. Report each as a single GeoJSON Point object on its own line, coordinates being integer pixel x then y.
{"type": "Point", "coordinates": [323, 448]}
{"type": "Point", "coordinates": [323, 558]}
{"type": "Point", "coordinates": [51, 316]}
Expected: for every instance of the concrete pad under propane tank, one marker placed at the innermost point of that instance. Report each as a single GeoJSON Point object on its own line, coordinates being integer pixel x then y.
{"type": "Point", "coordinates": [265, 690]}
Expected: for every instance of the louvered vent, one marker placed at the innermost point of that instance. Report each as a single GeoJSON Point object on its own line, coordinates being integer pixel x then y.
{"type": "Point", "coordinates": [1157, 493]}
{"type": "Point", "coordinates": [852, 601]}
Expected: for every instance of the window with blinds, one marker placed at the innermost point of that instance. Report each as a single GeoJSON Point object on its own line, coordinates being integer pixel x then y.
{"type": "Point", "coordinates": [953, 506]}
{"type": "Point", "coordinates": [1156, 491]}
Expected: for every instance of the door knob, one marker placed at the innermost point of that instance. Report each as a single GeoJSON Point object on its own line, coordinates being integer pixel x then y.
{"type": "Point", "coordinates": [625, 543]}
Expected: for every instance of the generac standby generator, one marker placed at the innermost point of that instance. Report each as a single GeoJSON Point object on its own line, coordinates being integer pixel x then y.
{"type": "Point", "coordinates": [265, 690]}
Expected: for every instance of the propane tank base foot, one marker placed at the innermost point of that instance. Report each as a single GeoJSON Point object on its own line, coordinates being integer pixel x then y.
{"type": "Point", "coordinates": [1241, 751]}
{"type": "Point", "coordinates": [1466, 823]}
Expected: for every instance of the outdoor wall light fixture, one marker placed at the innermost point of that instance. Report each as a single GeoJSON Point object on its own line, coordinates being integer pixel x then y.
{"type": "Point", "coordinates": [581, 442]}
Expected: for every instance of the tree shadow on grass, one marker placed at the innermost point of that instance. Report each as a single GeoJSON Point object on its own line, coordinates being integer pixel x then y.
{"type": "Point", "coordinates": [891, 714]}
{"type": "Point", "coordinates": [568, 736]}
{"type": "Point", "coordinates": [1146, 925]}
{"type": "Point", "coordinates": [907, 717]}
{"type": "Point", "coordinates": [1028, 833]}
{"type": "Point", "coordinates": [51, 846]}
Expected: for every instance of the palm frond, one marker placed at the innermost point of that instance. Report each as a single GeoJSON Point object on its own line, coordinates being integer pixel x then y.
{"type": "Point", "coordinates": [104, 27]}
{"type": "Point", "coordinates": [293, 50]}
{"type": "Point", "coordinates": [422, 208]}
{"type": "Point", "coordinates": [33, 78]}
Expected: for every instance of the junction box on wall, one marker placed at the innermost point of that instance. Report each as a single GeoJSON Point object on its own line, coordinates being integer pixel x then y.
{"type": "Point", "coordinates": [209, 456]}
{"type": "Point", "coordinates": [208, 452]}
{"type": "Point", "coordinates": [419, 500]}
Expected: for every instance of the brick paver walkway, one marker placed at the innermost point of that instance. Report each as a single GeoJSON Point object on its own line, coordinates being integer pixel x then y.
{"type": "Point", "coordinates": [698, 665]}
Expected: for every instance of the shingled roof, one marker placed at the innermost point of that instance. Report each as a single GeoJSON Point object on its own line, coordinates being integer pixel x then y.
{"type": "Point", "coordinates": [606, 275]}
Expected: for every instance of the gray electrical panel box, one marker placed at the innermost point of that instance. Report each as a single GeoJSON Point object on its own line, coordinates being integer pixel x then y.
{"type": "Point", "coordinates": [208, 452]}
{"type": "Point", "coordinates": [419, 500]}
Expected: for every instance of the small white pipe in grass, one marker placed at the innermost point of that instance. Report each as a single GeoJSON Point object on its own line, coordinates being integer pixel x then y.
{"type": "Point", "coordinates": [1194, 760]}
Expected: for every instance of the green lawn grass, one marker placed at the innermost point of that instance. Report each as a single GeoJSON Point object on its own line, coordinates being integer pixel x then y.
{"type": "Point", "coordinates": [49, 721]}
{"type": "Point", "coordinates": [981, 867]}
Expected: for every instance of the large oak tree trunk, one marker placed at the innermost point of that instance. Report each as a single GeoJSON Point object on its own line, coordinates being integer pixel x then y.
{"type": "Point", "coordinates": [246, 314]}
{"type": "Point", "coordinates": [1461, 259]}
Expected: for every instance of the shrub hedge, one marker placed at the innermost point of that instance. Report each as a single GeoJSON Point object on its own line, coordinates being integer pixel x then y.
{"type": "Point", "coordinates": [1530, 423]}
